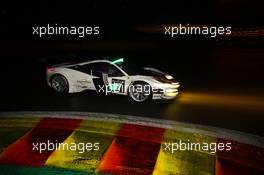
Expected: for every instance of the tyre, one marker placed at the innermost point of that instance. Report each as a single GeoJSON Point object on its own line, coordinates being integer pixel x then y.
{"type": "Point", "coordinates": [59, 84]}
{"type": "Point", "coordinates": [140, 91]}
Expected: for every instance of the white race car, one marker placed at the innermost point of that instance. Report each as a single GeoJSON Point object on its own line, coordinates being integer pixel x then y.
{"type": "Point", "coordinates": [112, 77]}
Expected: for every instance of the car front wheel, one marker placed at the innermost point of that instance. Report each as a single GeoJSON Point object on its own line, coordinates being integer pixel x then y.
{"type": "Point", "coordinates": [140, 92]}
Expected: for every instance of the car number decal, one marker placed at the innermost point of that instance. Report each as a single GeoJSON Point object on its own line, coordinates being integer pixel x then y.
{"type": "Point", "coordinates": [118, 85]}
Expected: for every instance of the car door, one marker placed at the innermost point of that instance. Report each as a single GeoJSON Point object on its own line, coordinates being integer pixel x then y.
{"type": "Point", "coordinates": [109, 76]}
{"type": "Point", "coordinates": [118, 81]}
{"type": "Point", "coordinates": [83, 77]}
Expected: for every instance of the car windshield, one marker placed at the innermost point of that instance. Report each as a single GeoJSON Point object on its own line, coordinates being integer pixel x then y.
{"type": "Point", "coordinates": [131, 70]}
{"type": "Point", "coordinates": [135, 70]}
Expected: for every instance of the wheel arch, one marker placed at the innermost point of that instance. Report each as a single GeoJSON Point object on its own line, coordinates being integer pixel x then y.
{"type": "Point", "coordinates": [58, 74]}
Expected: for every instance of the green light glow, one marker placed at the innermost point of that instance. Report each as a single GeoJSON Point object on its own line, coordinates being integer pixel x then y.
{"type": "Point", "coordinates": [120, 60]}
{"type": "Point", "coordinates": [115, 86]}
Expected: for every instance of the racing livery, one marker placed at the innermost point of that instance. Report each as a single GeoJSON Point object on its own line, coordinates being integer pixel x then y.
{"type": "Point", "coordinates": [112, 77]}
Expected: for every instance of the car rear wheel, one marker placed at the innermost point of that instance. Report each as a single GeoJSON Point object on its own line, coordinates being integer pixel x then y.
{"type": "Point", "coordinates": [60, 84]}
{"type": "Point", "coordinates": [140, 92]}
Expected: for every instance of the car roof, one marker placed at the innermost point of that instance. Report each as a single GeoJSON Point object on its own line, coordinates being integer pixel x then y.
{"type": "Point", "coordinates": [81, 63]}
{"type": "Point", "coordinates": [94, 61]}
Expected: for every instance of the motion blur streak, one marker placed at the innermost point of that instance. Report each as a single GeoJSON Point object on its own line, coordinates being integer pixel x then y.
{"type": "Point", "coordinates": [241, 102]}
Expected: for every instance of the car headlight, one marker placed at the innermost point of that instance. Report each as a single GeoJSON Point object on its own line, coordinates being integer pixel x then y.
{"type": "Point", "coordinates": [171, 94]}
{"type": "Point", "coordinates": [169, 77]}
{"type": "Point", "coordinates": [165, 79]}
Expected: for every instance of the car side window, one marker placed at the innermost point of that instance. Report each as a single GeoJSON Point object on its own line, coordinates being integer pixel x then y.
{"type": "Point", "coordinates": [87, 68]}
{"type": "Point", "coordinates": [107, 68]}
{"type": "Point", "coordinates": [113, 71]}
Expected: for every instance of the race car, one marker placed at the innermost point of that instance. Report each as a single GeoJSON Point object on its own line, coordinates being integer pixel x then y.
{"type": "Point", "coordinates": [112, 77]}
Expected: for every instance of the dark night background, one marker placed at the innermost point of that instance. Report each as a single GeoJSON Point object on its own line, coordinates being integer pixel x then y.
{"type": "Point", "coordinates": [225, 65]}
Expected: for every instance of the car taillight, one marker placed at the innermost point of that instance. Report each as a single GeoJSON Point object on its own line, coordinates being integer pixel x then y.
{"type": "Point", "coordinates": [49, 69]}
